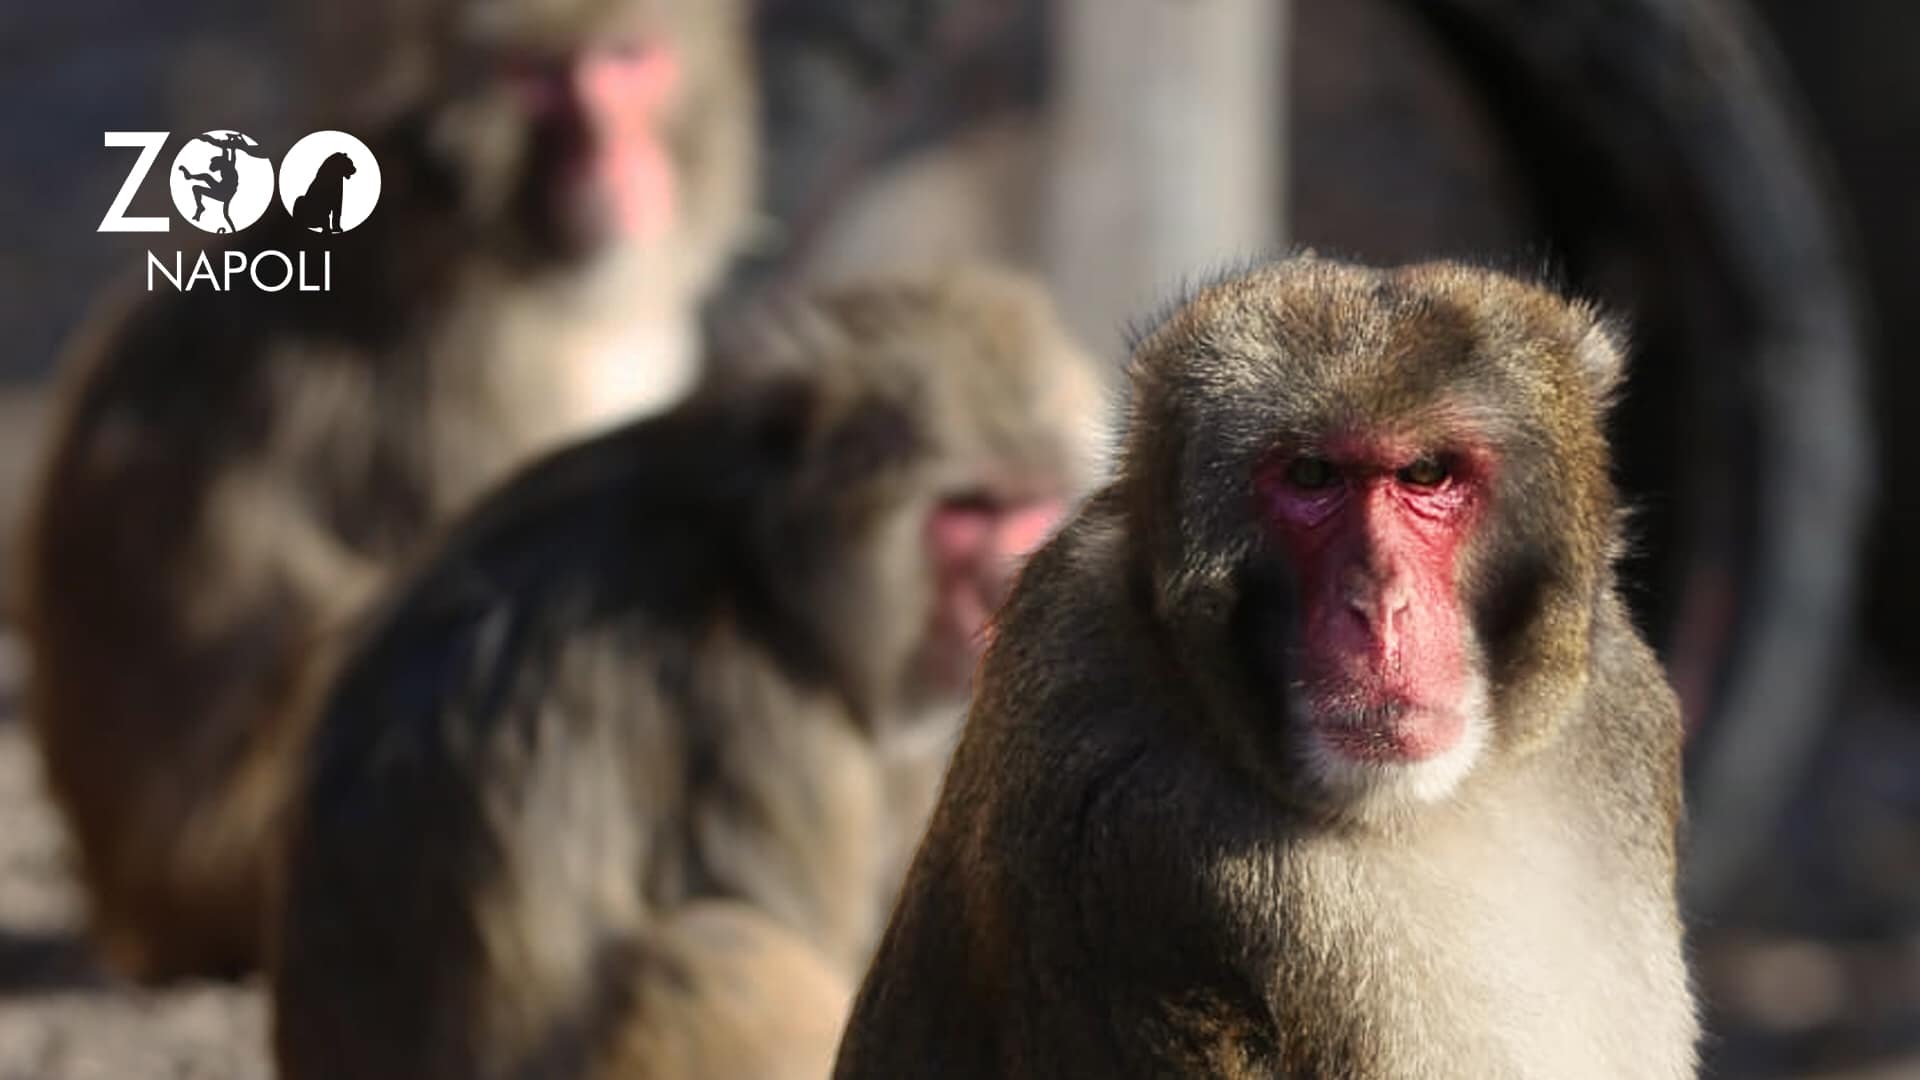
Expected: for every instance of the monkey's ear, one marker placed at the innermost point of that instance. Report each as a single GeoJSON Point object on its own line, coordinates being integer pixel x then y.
{"type": "Point", "coordinates": [1602, 353]}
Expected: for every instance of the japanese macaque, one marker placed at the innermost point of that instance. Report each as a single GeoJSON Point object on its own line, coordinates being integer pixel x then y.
{"type": "Point", "coordinates": [1319, 743]}
{"type": "Point", "coordinates": [623, 782]}
{"type": "Point", "coordinates": [235, 473]}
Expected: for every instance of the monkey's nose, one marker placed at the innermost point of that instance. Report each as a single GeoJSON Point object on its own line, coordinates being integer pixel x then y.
{"type": "Point", "coordinates": [1379, 607]}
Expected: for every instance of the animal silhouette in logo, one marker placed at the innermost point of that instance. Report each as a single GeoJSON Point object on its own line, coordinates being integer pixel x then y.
{"type": "Point", "coordinates": [222, 178]}
{"type": "Point", "coordinates": [319, 208]}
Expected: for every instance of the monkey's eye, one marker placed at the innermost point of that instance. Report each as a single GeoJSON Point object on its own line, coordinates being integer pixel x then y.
{"type": "Point", "coordinates": [1310, 473]}
{"type": "Point", "coordinates": [1426, 473]}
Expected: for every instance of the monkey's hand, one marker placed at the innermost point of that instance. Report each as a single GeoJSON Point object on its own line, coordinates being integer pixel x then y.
{"type": "Point", "coordinates": [274, 543]}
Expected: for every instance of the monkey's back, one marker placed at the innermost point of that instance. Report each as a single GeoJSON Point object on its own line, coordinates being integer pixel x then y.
{"type": "Point", "coordinates": [553, 770]}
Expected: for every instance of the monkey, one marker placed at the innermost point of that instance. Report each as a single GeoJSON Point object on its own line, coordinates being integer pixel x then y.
{"type": "Point", "coordinates": [233, 476]}
{"type": "Point", "coordinates": [222, 179]}
{"type": "Point", "coordinates": [1318, 743]}
{"type": "Point", "coordinates": [318, 208]}
{"type": "Point", "coordinates": [621, 781]}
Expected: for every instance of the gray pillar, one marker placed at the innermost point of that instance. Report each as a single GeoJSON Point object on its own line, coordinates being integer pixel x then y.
{"type": "Point", "coordinates": [1169, 134]}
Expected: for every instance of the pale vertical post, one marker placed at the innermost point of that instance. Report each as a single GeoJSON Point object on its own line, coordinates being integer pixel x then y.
{"type": "Point", "coordinates": [1170, 126]}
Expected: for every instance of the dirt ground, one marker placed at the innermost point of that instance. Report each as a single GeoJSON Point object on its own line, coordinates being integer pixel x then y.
{"type": "Point", "coordinates": [60, 1018]}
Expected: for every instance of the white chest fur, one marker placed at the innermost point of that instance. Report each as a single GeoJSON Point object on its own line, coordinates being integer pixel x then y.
{"type": "Point", "coordinates": [1495, 946]}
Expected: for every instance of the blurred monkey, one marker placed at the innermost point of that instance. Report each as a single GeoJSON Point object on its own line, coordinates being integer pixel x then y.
{"type": "Point", "coordinates": [622, 784]}
{"type": "Point", "coordinates": [233, 474]}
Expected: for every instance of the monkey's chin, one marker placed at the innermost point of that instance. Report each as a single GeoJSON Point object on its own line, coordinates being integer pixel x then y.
{"type": "Point", "coordinates": [1386, 758]}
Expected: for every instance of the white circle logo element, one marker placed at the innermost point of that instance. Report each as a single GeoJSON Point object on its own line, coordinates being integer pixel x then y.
{"type": "Point", "coordinates": [329, 182]}
{"type": "Point", "coordinates": [221, 181]}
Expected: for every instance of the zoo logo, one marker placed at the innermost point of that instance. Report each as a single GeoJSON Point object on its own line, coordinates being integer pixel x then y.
{"type": "Point", "coordinates": [222, 182]}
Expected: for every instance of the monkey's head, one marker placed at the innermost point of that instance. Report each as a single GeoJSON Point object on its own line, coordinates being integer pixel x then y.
{"type": "Point", "coordinates": [1375, 510]}
{"type": "Point", "coordinates": [938, 429]}
{"type": "Point", "coordinates": [567, 131]}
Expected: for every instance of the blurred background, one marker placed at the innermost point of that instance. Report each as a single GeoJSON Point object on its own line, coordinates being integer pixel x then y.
{"type": "Point", "coordinates": [1734, 178]}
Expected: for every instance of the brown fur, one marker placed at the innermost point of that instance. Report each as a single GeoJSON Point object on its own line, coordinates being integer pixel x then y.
{"type": "Point", "coordinates": [1134, 871]}
{"type": "Point", "coordinates": [665, 676]}
{"type": "Point", "coordinates": [234, 474]}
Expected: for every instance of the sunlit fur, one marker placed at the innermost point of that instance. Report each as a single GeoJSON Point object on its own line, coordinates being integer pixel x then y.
{"type": "Point", "coordinates": [1147, 861]}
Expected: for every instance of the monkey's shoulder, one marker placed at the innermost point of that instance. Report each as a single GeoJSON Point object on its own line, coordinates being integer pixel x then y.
{"type": "Point", "coordinates": [617, 558]}
{"type": "Point", "coordinates": [1627, 679]}
{"type": "Point", "coordinates": [1630, 724]}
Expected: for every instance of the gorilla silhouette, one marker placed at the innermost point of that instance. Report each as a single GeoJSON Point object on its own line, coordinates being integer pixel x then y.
{"type": "Point", "coordinates": [319, 208]}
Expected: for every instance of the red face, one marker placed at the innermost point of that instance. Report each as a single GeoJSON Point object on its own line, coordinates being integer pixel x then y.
{"type": "Point", "coordinates": [601, 164]}
{"type": "Point", "coordinates": [976, 547]}
{"type": "Point", "coordinates": [1374, 528]}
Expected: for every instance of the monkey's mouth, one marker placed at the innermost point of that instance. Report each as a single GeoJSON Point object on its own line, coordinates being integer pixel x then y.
{"type": "Point", "coordinates": [1364, 724]}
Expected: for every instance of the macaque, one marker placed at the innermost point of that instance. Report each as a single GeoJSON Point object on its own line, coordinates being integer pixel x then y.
{"type": "Point", "coordinates": [622, 783]}
{"type": "Point", "coordinates": [235, 473]}
{"type": "Point", "coordinates": [1319, 743]}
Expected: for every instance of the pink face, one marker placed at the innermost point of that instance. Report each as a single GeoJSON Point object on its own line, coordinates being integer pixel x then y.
{"type": "Point", "coordinates": [1374, 528]}
{"type": "Point", "coordinates": [610, 103]}
{"type": "Point", "coordinates": [976, 547]}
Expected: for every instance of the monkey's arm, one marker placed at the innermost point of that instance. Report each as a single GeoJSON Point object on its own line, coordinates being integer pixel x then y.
{"type": "Point", "coordinates": [236, 142]}
{"type": "Point", "coordinates": [271, 542]}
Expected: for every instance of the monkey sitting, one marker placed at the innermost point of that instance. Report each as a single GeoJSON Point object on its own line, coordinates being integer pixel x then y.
{"type": "Point", "coordinates": [233, 476]}
{"type": "Point", "coordinates": [622, 783]}
{"type": "Point", "coordinates": [1319, 744]}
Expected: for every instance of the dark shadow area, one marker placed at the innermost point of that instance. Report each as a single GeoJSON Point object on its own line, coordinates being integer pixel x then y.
{"type": "Point", "coordinates": [1854, 65]}
{"type": "Point", "coordinates": [40, 963]}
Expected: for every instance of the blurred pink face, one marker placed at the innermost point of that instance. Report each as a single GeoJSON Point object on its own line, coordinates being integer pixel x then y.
{"type": "Point", "coordinates": [976, 548]}
{"type": "Point", "coordinates": [600, 119]}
